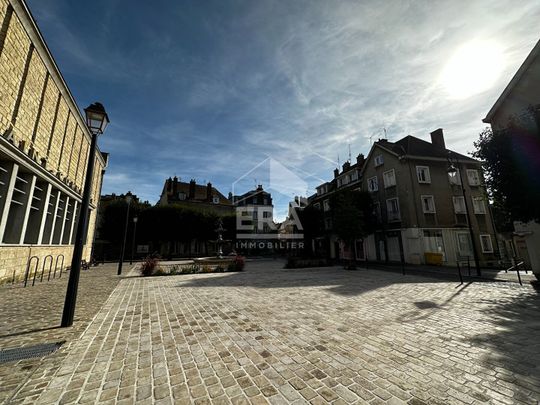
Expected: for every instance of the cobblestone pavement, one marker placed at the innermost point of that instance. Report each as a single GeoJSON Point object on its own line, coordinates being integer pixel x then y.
{"type": "Point", "coordinates": [269, 335]}
{"type": "Point", "coordinates": [31, 316]}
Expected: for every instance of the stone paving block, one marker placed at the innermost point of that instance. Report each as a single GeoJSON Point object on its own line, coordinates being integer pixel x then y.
{"type": "Point", "coordinates": [346, 337]}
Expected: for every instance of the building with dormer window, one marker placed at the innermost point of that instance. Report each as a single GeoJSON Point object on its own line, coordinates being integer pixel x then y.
{"type": "Point", "coordinates": [195, 196]}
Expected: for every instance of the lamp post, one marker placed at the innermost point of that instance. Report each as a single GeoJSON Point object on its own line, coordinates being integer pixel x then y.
{"type": "Point", "coordinates": [128, 201]}
{"type": "Point", "coordinates": [135, 219]}
{"type": "Point", "coordinates": [96, 120]}
{"type": "Point", "coordinates": [453, 171]}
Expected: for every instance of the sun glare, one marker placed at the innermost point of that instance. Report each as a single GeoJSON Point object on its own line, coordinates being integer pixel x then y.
{"type": "Point", "coordinates": [472, 69]}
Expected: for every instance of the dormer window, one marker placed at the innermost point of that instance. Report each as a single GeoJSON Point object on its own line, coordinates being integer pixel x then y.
{"type": "Point", "coordinates": [215, 200]}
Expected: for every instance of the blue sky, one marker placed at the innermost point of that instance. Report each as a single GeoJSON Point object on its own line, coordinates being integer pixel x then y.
{"type": "Point", "coordinates": [210, 89]}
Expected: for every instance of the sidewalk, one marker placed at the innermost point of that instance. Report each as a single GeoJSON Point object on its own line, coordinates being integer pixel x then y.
{"type": "Point", "coordinates": [448, 272]}
{"type": "Point", "coordinates": [31, 316]}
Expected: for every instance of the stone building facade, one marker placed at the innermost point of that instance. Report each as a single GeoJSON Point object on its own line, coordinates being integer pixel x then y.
{"type": "Point", "coordinates": [44, 147]}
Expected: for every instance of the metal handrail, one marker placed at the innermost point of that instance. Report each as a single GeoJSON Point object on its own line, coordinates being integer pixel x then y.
{"type": "Point", "coordinates": [516, 267]}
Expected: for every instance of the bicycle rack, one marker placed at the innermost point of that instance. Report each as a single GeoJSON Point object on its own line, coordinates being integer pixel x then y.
{"type": "Point", "coordinates": [56, 265]}
{"type": "Point", "coordinates": [50, 267]}
{"type": "Point", "coordinates": [28, 269]}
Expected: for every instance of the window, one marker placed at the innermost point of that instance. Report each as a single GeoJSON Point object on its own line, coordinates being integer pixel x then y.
{"type": "Point", "coordinates": [422, 172]}
{"type": "Point", "coordinates": [389, 178]}
{"type": "Point", "coordinates": [215, 200]}
{"type": "Point", "coordinates": [317, 206]}
{"type": "Point", "coordinates": [478, 205]}
{"type": "Point", "coordinates": [326, 205]}
{"type": "Point", "coordinates": [473, 176]}
{"type": "Point", "coordinates": [454, 178]}
{"type": "Point", "coordinates": [485, 241]}
{"type": "Point", "coordinates": [328, 223]}
{"type": "Point", "coordinates": [428, 204]}
{"type": "Point", "coordinates": [354, 175]}
{"type": "Point", "coordinates": [392, 208]}
{"type": "Point", "coordinates": [379, 160]}
{"type": "Point", "coordinates": [459, 205]}
{"type": "Point", "coordinates": [181, 195]}
{"type": "Point", "coordinates": [377, 211]}
{"type": "Point", "coordinates": [373, 184]}
{"type": "Point", "coordinates": [339, 182]}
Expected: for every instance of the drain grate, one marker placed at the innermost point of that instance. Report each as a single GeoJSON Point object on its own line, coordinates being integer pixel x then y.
{"type": "Point", "coordinates": [29, 352]}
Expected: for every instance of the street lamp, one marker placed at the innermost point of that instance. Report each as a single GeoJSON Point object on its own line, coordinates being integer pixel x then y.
{"type": "Point", "coordinates": [96, 120]}
{"type": "Point", "coordinates": [453, 172]}
{"type": "Point", "coordinates": [128, 199]}
{"type": "Point", "coordinates": [135, 219]}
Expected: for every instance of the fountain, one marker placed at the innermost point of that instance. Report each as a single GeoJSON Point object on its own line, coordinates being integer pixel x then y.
{"type": "Point", "coordinates": [219, 241]}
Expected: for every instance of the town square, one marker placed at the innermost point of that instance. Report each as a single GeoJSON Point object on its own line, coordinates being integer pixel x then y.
{"type": "Point", "coordinates": [271, 202]}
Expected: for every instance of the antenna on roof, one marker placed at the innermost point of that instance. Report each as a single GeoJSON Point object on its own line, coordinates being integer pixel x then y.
{"type": "Point", "coordinates": [349, 152]}
{"type": "Point", "coordinates": [338, 162]}
{"type": "Point", "coordinates": [384, 129]}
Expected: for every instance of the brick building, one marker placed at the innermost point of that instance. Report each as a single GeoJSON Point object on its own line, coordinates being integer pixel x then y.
{"type": "Point", "coordinates": [44, 147]}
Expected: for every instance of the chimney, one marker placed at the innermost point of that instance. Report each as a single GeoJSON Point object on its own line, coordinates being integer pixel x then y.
{"type": "Point", "coordinates": [360, 159]}
{"type": "Point", "coordinates": [336, 172]}
{"type": "Point", "coordinates": [346, 166]}
{"type": "Point", "coordinates": [259, 187]}
{"type": "Point", "coordinates": [209, 191]}
{"type": "Point", "coordinates": [437, 138]}
{"type": "Point", "coordinates": [175, 185]}
{"type": "Point", "coordinates": [191, 195]}
{"type": "Point", "coordinates": [168, 182]}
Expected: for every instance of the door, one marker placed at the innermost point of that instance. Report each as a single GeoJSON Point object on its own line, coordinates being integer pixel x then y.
{"type": "Point", "coordinates": [464, 244]}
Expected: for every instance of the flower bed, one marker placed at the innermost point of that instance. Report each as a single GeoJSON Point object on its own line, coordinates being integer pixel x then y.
{"type": "Point", "coordinates": [151, 267]}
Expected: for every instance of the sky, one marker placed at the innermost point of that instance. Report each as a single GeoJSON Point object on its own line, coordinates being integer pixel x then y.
{"type": "Point", "coordinates": [215, 90]}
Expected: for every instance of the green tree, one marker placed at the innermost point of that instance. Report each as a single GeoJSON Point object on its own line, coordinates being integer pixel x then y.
{"type": "Point", "coordinates": [511, 163]}
{"type": "Point", "coordinates": [311, 220]}
{"type": "Point", "coordinates": [352, 215]}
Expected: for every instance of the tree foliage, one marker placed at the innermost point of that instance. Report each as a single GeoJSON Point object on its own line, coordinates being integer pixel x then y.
{"type": "Point", "coordinates": [311, 220]}
{"type": "Point", "coordinates": [511, 162]}
{"type": "Point", "coordinates": [159, 224]}
{"type": "Point", "coordinates": [180, 224]}
{"type": "Point", "coordinates": [352, 215]}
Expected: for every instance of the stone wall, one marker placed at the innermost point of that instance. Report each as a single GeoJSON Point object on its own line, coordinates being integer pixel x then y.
{"type": "Point", "coordinates": [44, 145]}
{"type": "Point", "coordinates": [14, 260]}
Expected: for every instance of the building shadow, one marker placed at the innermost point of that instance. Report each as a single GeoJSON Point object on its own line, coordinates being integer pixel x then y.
{"type": "Point", "coordinates": [271, 274]}
{"type": "Point", "coordinates": [514, 344]}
